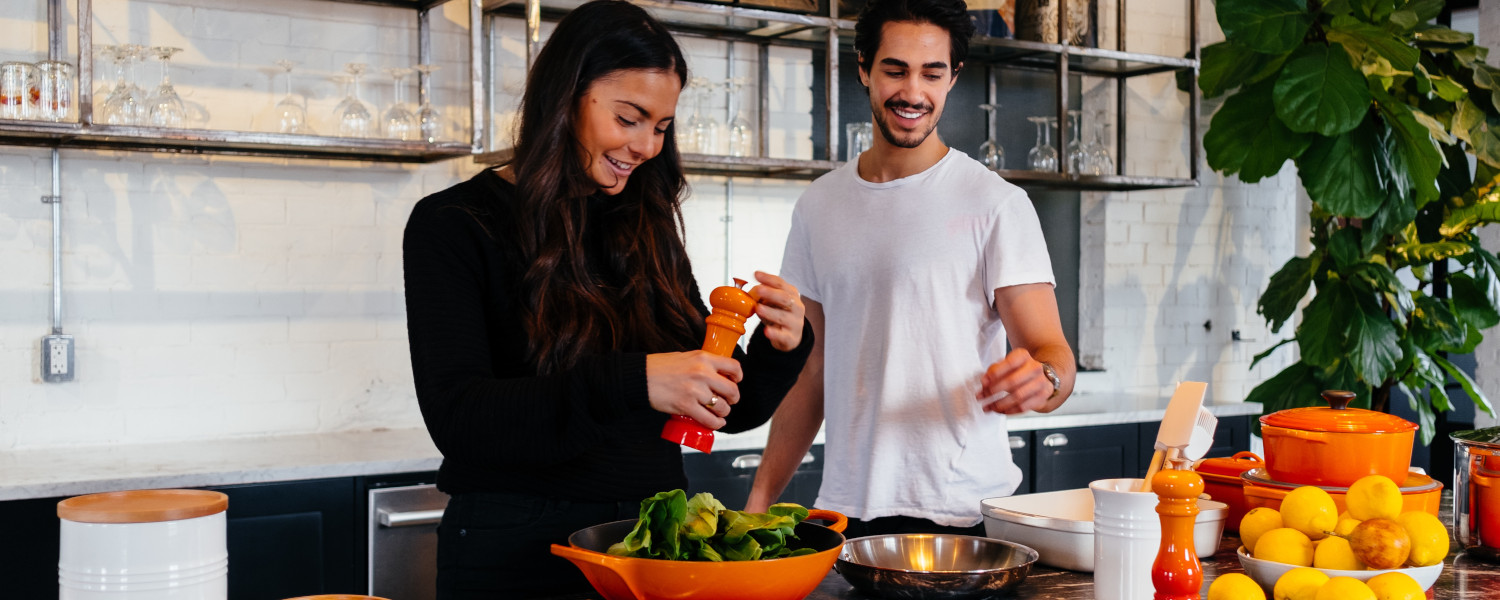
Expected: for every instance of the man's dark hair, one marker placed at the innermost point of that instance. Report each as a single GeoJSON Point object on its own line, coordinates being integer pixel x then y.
{"type": "Point", "coordinates": [951, 15]}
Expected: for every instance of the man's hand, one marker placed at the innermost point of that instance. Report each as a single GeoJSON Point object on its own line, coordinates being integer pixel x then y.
{"type": "Point", "coordinates": [1020, 378]}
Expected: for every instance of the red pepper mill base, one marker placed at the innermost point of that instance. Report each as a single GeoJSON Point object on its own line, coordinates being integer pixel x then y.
{"type": "Point", "coordinates": [1176, 573]}
{"type": "Point", "coordinates": [731, 307]}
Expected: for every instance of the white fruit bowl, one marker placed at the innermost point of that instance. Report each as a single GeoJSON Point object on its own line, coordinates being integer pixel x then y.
{"type": "Point", "coordinates": [1266, 572]}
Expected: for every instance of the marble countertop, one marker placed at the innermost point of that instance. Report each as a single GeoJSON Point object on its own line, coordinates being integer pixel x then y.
{"type": "Point", "coordinates": [53, 473]}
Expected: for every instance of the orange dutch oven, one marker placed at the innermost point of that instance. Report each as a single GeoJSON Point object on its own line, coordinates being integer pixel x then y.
{"type": "Point", "coordinates": [1336, 446]}
{"type": "Point", "coordinates": [628, 578]}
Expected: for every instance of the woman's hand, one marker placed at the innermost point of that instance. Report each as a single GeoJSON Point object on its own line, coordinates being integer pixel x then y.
{"type": "Point", "coordinates": [695, 384]}
{"type": "Point", "coordinates": [780, 307]}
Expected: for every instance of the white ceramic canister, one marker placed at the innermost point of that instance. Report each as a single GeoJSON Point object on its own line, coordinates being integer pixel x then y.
{"type": "Point", "coordinates": [1127, 537]}
{"type": "Point", "coordinates": [143, 544]}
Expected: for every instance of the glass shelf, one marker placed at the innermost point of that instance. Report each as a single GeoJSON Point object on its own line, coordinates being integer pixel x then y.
{"type": "Point", "coordinates": [720, 20]}
{"type": "Point", "coordinates": [1101, 183]}
{"type": "Point", "coordinates": [207, 141]}
{"type": "Point", "coordinates": [728, 166]}
{"type": "Point", "coordinates": [1088, 61]}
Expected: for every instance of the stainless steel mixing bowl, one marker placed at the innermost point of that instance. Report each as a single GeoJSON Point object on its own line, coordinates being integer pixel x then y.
{"type": "Point", "coordinates": [934, 566]}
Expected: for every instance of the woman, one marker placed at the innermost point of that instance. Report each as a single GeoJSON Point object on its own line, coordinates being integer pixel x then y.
{"type": "Point", "coordinates": [554, 319]}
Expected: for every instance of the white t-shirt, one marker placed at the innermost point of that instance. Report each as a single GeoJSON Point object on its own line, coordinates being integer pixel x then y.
{"type": "Point", "coordinates": [906, 272]}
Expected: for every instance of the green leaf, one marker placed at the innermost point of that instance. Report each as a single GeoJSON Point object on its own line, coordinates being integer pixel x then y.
{"type": "Point", "coordinates": [1325, 322]}
{"type": "Point", "coordinates": [1293, 387]}
{"type": "Point", "coordinates": [1485, 138]}
{"type": "Point", "coordinates": [1471, 302]}
{"type": "Point", "coordinates": [1319, 91]}
{"type": "Point", "coordinates": [1393, 216]}
{"type": "Point", "coordinates": [1266, 26]}
{"type": "Point", "coordinates": [1417, 158]}
{"type": "Point", "coordinates": [1434, 327]}
{"type": "Point", "coordinates": [1435, 128]}
{"type": "Point", "coordinates": [1486, 77]}
{"type": "Point", "coordinates": [1343, 246]}
{"type": "Point", "coordinates": [1246, 137]}
{"type": "Point", "coordinates": [1341, 173]}
{"type": "Point", "coordinates": [1342, 376]}
{"type": "Point", "coordinates": [1454, 180]}
{"type": "Point", "coordinates": [1373, 10]}
{"type": "Point", "coordinates": [1350, 31]}
{"type": "Point", "coordinates": [1412, 253]}
{"type": "Point", "coordinates": [1469, 55]}
{"type": "Point", "coordinates": [1268, 351]}
{"type": "Point", "coordinates": [1426, 420]}
{"type": "Point", "coordinates": [1442, 35]}
{"type": "Point", "coordinates": [1480, 400]}
{"type": "Point", "coordinates": [1374, 347]}
{"type": "Point", "coordinates": [1227, 65]}
{"type": "Point", "coordinates": [1286, 289]}
{"type": "Point", "coordinates": [1385, 283]}
{"type": "Point", "coordinates": [1463, 219]}
{"type": "Point", "coordinates": [1447, 89]}
{"type": "Point", "coordinates": [702, 516]}
{"type": "Point", "coordinates": [1426, 10]}
{"type": "Point", "coordinates": [1405, 20]}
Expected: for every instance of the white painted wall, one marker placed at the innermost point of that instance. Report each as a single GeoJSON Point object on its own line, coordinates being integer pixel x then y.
{"type": "Point", "coordinates": [1487, 354]}
{"type": "Point", "coordinates": [222, 296]}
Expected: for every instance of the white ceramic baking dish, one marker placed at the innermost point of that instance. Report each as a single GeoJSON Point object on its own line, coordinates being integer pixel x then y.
{"type": "Point", "coordinates": [1060, 526]}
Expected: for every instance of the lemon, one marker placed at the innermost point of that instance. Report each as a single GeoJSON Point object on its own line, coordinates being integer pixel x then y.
{"type": "Point", "coordinates": [1374, 497]}
{"type": "Point", "coordinates": [1310, 510]}
{"type": "Point", "coordinates": [1429, 537]}
{"type": "Point", "coordinates": [1235, 586]}
{"type": "Point", "coordinates": [1301, 583]}
{"type": "Point", "coordinates": [1257, 522]}
{"type": "Point", "coordinates": [1395, 586]}
{"type": "Point", "coordinates": [1345, 588]}
{"type": "Point", "coordinates": [1346, 525]}
{"type": "Point", "coordinates": [1285, 545]}
{"type": "Point", "coordinates": [1334, 552]}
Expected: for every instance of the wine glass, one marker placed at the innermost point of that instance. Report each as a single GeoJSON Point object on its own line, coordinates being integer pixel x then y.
{"type": "Point", "coordinates": [1077, 157]}
{"type": "Point", "coordinates": [291, 116]}
{"type": "Point", "coordinates": [990, 152]}
{"type": "Point", "coordinates": [354, 117]}
{"type": "Point", "coordinates": [702, 130]}
{"type": "Point", "coordinates": [428, 118]}
{"type": "Point", "coordinates": [122, 105]}
{"type": "Point", "coordinates": [1043, 157]}
{"type": "Point", "coordinates": [166, 108]}
{"type": "Point", "coordinates": [398, 122]}
{"type": "Point", "coordinates": [1100, 161]}
{"type": "Point", "coordinates": [741, 132]}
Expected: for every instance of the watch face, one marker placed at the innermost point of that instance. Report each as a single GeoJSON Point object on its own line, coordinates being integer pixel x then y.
{"type": "Point", "coordinates": [1052, 376]}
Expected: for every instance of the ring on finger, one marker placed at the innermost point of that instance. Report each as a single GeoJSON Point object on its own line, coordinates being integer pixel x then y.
{"type": "Point", "coordinates": [712, 401]}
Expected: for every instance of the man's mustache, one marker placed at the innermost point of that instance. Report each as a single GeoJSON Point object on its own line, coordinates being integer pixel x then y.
{"type": "Point", "coordinates": [904, 105]}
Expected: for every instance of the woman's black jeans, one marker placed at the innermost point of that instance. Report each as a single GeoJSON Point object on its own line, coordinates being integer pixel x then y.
{"type": "Point", "coordinates": [498, 545]}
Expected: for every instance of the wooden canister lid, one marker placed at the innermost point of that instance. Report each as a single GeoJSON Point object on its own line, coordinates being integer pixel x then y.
{"type": "Point", "coordinates": [142, 506]}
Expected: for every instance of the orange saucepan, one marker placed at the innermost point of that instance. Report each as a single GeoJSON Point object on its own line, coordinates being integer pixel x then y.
{"type": "Point", "coordinates": [1336, 446]}
{"type": "Point", "coordinates": [1418, 492]}
{"type": "Point", "coordinates": [622, 578]}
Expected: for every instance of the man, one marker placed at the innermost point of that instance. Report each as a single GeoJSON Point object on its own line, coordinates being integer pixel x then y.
{"type": "Point", "coordinates": [916, 265]}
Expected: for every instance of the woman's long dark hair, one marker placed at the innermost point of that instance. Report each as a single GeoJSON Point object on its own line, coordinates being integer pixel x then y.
{"type": "Point", "coordinates": [634, 295]}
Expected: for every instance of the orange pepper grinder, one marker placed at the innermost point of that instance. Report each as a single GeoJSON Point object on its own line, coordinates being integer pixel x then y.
{"type": "Point", "coordinates": [731, 306]}
{"type": "Point", "coordinates": [1176, 573]}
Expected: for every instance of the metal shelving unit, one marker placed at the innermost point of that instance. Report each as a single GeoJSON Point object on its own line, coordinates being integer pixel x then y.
{"type": "Point", "coordinates": [85, 133]}
{"type": "Point", "coordinates": [834, 34]}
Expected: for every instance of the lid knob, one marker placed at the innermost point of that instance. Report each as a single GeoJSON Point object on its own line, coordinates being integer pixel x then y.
{"type": "Point", "coordinates": [1338, 399]}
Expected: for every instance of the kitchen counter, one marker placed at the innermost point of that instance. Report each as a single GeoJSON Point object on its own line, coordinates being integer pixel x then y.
{"type": "Point", "coordinates": [53, 473]}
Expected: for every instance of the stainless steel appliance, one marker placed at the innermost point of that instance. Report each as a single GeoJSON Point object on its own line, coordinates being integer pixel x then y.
{"type": "Point", "coordinates": [403, 541]}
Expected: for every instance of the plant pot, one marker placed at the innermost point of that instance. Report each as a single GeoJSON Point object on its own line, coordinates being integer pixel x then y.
{"type": "Point", "coordinates": [1336, 446]}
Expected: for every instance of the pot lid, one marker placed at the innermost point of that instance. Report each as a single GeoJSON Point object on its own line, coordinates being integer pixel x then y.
{"type": "Point", "coordinates": [1482, 437]}
{"type": "Point", "coordinates": [1415, 483]}
{"type": "Point", "coordinates": [1338, 417]}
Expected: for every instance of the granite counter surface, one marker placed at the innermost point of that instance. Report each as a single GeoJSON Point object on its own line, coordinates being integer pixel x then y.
{"type": "Point", "coordinates": [52, 473]}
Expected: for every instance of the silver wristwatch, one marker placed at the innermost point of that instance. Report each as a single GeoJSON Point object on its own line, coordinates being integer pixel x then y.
{"type": "Point", "coordinates": [1051, 374]}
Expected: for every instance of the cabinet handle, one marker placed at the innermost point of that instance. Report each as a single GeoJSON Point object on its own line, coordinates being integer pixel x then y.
{"type": "Point", "coordinates": [752, 461]}
{"type": "Point", "coordinates": [1055, 440]}
{"type": "Point", "coordinates": [746, 461]}
{"type": "Point", "coordinates": [410, 518]}
{"type": "Point", "coordinates": [1017, 442]}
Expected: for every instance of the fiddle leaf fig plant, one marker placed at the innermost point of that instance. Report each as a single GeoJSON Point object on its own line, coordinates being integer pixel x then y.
{"type": "Point", "coordinates": [1393, 123]}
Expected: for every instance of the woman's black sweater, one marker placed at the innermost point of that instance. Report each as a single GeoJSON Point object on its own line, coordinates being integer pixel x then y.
{"type": "Point", "coordinates": [587, 433]}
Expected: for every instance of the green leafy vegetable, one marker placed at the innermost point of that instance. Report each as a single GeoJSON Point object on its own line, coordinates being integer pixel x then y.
{"type": "Point", "coordinates": [673, 527]}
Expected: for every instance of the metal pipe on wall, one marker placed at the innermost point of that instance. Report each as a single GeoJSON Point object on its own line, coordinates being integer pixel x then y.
{"type": "Point", "coordinates": [56, 201]}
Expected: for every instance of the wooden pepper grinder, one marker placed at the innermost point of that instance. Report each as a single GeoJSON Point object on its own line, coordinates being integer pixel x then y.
{"type": "Point", "coordinates": [1176, 573]}
{"type": "Point", "coordinates": [731, 306]}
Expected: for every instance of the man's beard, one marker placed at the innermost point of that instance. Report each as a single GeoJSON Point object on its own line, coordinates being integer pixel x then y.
{"type": "Point", "coordinates": [885, 129]}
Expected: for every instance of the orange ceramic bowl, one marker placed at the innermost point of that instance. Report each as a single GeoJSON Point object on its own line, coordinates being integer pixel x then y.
{"type": "Point", "coordinates": [621, 578]}
{"type": "Point", "coordinates": [1418, 492]}
{"type": "Point", "coordinates": [1337, 445]}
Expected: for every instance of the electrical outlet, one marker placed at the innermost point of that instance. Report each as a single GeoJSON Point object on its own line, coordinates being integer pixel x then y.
{"type": "Point", "coordinates": [57, 358]}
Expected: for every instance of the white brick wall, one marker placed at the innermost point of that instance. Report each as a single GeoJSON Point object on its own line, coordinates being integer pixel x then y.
{"type": "Point", "coordinates": [224, 296]}
{"type": "Point", "coordinates": [1488, 352]}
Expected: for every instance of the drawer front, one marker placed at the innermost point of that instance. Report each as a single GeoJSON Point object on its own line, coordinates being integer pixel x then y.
{"type": "Point", "coordinates": [1071, 458]}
